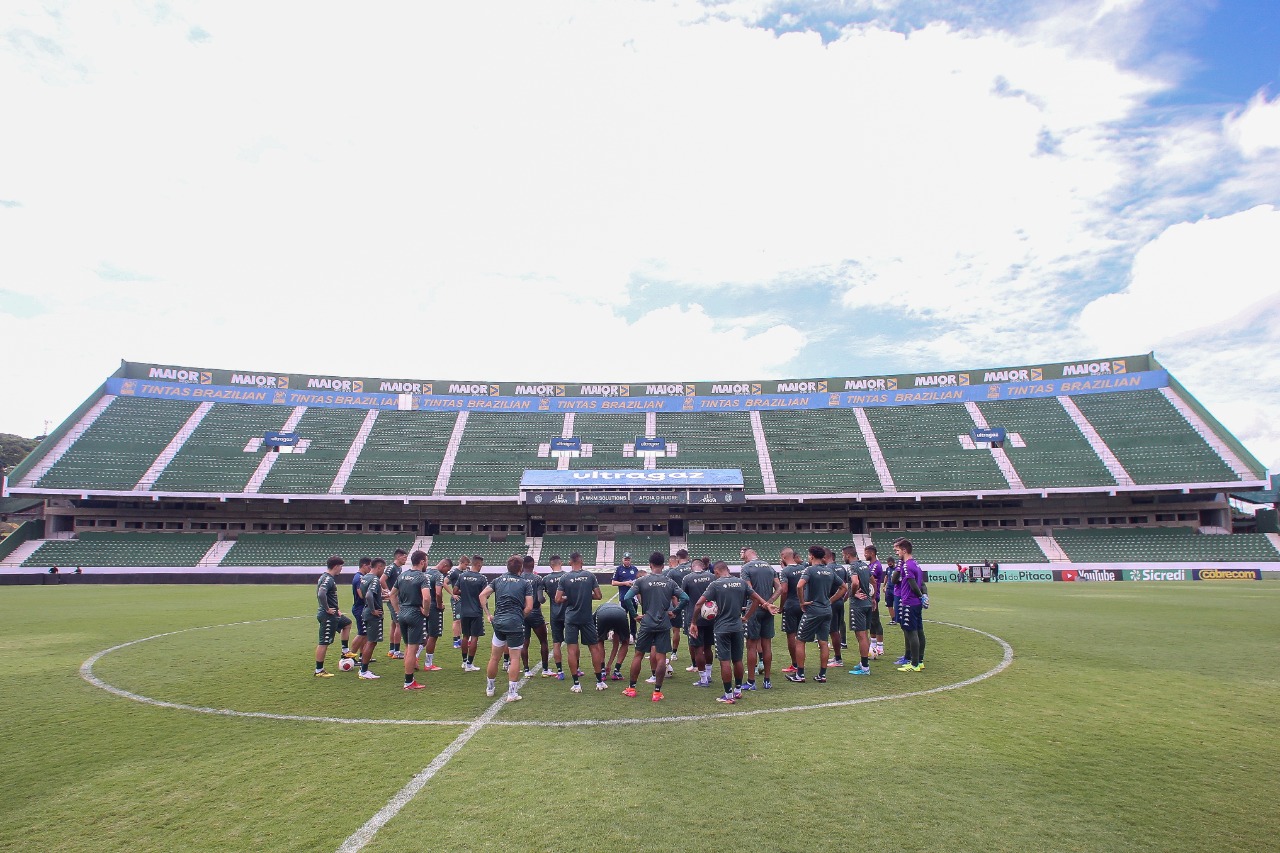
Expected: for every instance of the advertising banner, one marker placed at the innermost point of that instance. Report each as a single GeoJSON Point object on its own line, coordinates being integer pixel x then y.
{"type": "Point", "coordinates": [624, 479]}
{"type": "Point", "coordinates": [280, 439]}
{"type": "Point", "coordinates": [1083, 575]}
{"type": "Point", "coordinates": [1025, 575]}
{"type": "Point", "coordinates": [1227, 574]}
{"type": "Point", "coordinates": [1158, 574]}
{"type": "Point", "coordinates": [650, 446]}
{"type": "Point", "coordinates": [991, 435]}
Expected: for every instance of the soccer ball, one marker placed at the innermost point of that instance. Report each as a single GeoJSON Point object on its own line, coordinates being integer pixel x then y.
{"type": "Point", "coordinates": [346, 664]}
{"type": "Point", "coordinates": [709, 610]}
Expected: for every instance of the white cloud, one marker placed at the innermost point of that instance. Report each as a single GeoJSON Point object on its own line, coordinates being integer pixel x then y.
{"type": "Point", "coordinates": [1256, 128]}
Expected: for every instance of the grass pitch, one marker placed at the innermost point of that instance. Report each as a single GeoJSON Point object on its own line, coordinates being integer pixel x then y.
{"type": "Point", "coordinates": [1135, 716]}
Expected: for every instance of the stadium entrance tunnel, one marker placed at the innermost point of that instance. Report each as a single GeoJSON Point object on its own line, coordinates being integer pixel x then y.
{"type": "Point", "coordinates": [260, 670]}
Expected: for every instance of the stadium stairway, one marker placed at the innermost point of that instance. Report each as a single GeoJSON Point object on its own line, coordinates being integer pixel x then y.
{"type": "Point", "coordinates": [64, 444]}
{"type": "Point", "coordinates": [269, 459]}
{"type": "Point", "coordinates": [651, 431]}
{"type": "Point", "coordinates": [877, 455]}
{"type": "Point", "coordinates": [861, 541]}
{"type": "Point", "coordinates": [423, 544]}
{"type": "Point", "coordinates": [997, 453]}
{"type": "Point", "coordinates": [18, 555]}
{"type": "Point", "coordinates": [762, 450]}
{"type": "Point", "coordinates": [218, 550]}
{"type": "Point", "coordinates": [1274, 539]}
{"type": "Point", "coordinates": [1210, 437]}
{"type": "Point", "coordinates": [1052, 549]}
{"type": "Point", "coordinates": [353, 453]}
{"type": "Point", "coordinates": [450, 455]}
{"type": "Point", "coordinates": [1118, 473]}
{"type": "Point", "coordinates": [148, 479]}
{"type": "Point", "coordinates": [566, 431]}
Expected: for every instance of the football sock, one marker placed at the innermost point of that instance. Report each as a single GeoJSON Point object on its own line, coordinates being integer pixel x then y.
{"type": "Point", "coordinates": [728, 688]}
{"type": "Point", "coordinates": [599, 677]}
{"type": "Point", "coordinates": [319, 665]}
{"type": "Point", "coordinates": [364, 667]}
{"type": "Point", "coordinates": [430, 658]}
{"type": "Point", "coordinates": [559, 667]}
{"type": "Point", "coordinates": [575, 676]}
{"type": "Point", "coordinates": [822, 670]}
{"type": "Point", "coordinates": [511, 687]}
{"type": "Point", "coordinates": [865, 662]}
{"type": "Point", "coordinates": [492, 682]}
{"type": "Point", "coordinates": [632, 685]}
{"type": "Point", "coordinates": [408, 679]}
{"type": "Point", "coordinates": [800, 671]}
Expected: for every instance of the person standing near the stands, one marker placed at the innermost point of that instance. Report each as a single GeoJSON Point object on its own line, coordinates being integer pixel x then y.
{"type": "Point", "coordinates": [576, 590]}
{"type": "Point", "coordinates": [389, 578]}
{"type": "Point", "coordinates": [874, 626]}
{"type": "Point", "coordinates": [468, 587]}
{"type": "Point", "coordinates": [893, 577]}
{"type": "Point", "coordinates": [371, 598]}
{"type": "Point", "coordinates": [535, 624]}
{"type": "Point", "coordinates": [729, 627]}
{"type": "Point", "coordinates": [700, 641]}
{"type": "Point", "coordinates": [623, 577]}
{"type": "Point", "coordinates": [464, 563]}
{"type": "Point", "coordinates": [435, 613]}
{"type": "Point", "coordinates": [328, 615]}
{"type": "Point", "coordinates": [762, 580]}
{"type": "Point", "coordinates": [861, 604]}
{"type": "Point", "coordinates": [550, 585]}
{"type": "Point", "coordinates": [658, 595]}
{"type": "Point", "coordinates": [357, 606]}
{"type": "Point", "coordinates": [409, 600]}
{"type": "Point", "coordinates": [513, 600]}
{"type": "Point", "coordinates": [818, 589]}
{"type": "Point", "coordinates": [910, 606]}
{"type": "Point", "coordinates": [789, 591]}
{"type": "Point", "coordinates": [679, 570]}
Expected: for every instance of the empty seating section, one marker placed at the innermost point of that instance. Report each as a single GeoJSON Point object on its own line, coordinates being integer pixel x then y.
{"type": "Point", "coordinates": [330, 432]}
{"type": "Point", "coordinates": [965, 546]}
{"type": "Point", "coordinates": [640, 546]}
{"type": "Point", "coordinates": [1057, 455]}
{"type": "Point", "coordinates": [119, 447]}
{"type": "Point", "coordinates": [728, 546]}
{"type": "Point", "coordinates": [1153, 442]}
{"type": "Point", "coordinates": [402, 455]}
{"type": "Point", "coordinates": [922, 448]}
{"type": "Point", "coordinates": [606, 434]}
{"type": "Point", "coordinates": [213, 458]}
{"type": "Point", "coordinates": [818, 452]}
{"type": "Point", "coordinates": [586, 544]}
{"type": "Point", "coordinates": [495, 554]}
{"type": "Point", "coordinates": [123, 550]}
{"type": "Point", "coordinates": [312, 549]}
{"type": "Point", "coordinates": [712, 440]}
{"type": "Point", "coordinates": [1163, 545]}
{"type": "Point", "coordinates": [497, 448]}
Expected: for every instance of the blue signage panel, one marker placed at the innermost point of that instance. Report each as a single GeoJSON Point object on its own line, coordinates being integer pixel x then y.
{"type": "Point", "coordinates": [566, 444]}
{"type": "Point", "coordinates": [616, 480]}
{"type": "Point", "coordinates": [651, 445]}
{"type": "Point", "coordinates": [991, 435]}
{"type": "Point", "coordinates": [280, 439]}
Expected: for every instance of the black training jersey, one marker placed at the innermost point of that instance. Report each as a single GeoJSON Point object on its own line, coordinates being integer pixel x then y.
{"type": "Point", "coordinates": [819, 583]}
{"type": "Point", "coordinates": [695, 586]}
{"type": "Point", "coordinates": [760, 577]}
{"type": "Point", "coordinates": [409, 588]}
{"type": "Point", "coordinates": [435, 582]}
{"type": "Point", "coordinates": [371, 593]}
{"type": "Point", "coordinates": [577, 588]}
{"type": "Point", "coordinates": [791, 577]}
{"type": "Point", "coordinates": [729, 594]}
{"type": "Point", "coordinates": [551, 583]}
{"type": "Point", "coordinates": [655, 593]}
{"type": "Point", "coordinates": [509, 594]}
{"type": "Point", "coordinates": [327, 592]}
{"type": "Point", "coordinates": [469, 586]}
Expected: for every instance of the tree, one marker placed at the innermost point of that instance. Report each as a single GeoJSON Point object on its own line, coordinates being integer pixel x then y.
{"type": "Point", "coordinates": [13, 449]}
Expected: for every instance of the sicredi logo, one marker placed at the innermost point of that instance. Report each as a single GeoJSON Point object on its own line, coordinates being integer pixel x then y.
{"type": "Point", "coordinates": [175, 374]}
{"type": "Point", "coordinates": [938, 380]}
{"type": "Point", "coordinates": [260, 380]}
{"type": "Point", "coordinates": [405, 387]}
{"type": "Point", "coordinates": [1160, 575]}
{"type": "Point", "coordinates": [604, 391]}
{"type": "Point", "coordinates": [1093, 368]}
{"type": "Point", "coordinates": [802, 387]}
{"type": "Point", "coordinates": [539, 391]}
{"type": "Point", "coordinates": [473, 389]}
{"type": "Point", "coordinates": [736, 388]}
{"type": "Point", "coordinates": [325, 383]}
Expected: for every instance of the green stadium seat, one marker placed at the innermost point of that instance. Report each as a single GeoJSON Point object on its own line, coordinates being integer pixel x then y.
{"type": "Point", "coordinates": [123, 550]}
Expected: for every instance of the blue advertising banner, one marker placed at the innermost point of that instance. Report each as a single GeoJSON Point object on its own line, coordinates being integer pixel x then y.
{"type": "Point", "coordinates": [565, 444]}
{"type": "Point", "coordinates": [280, 439]}
{"type": "Point", "coordinates": [277, 396]}
{"type": "Point", "coordinates": [617, 480]}
{"type": "Point", "coordinates": [650, 445]}
{"type": "Point", "coordinates": [991, 435]}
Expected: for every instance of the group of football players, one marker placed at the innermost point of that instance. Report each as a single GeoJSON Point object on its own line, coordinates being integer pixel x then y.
{"type": "Point", "coordinates": [726, 618]}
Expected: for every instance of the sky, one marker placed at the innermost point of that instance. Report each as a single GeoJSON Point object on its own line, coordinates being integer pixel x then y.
{"type": "Point", "coordinates": [664, 191]}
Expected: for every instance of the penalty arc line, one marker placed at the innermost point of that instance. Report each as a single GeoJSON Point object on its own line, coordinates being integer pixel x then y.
{"type": "Point", "coordinates": [362, 836]}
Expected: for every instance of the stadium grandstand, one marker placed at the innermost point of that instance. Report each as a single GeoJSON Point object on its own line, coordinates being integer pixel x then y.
{"type": "Point", "coordinates": [199, 473]}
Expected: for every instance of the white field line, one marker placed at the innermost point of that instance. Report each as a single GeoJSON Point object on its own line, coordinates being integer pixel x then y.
{"type": "Point", "coordinates": [362, 836]}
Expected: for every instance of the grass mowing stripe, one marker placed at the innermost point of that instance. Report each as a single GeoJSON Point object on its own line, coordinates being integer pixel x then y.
{"type": "Point", "coordinates": [362, 836]}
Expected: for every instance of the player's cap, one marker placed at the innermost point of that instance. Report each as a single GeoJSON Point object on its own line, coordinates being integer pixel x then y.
{"type": "Point", "coordinates": [627, 554]}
